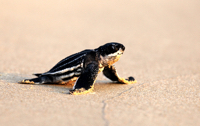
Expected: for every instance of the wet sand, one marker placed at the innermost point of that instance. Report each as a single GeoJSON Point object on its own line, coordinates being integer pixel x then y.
{"type": "Point", "coordinates": [162, 52]}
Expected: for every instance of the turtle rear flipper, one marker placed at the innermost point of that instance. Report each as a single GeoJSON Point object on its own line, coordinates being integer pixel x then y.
{"type": "Point", "coordinates": [39, 80]}
{"type": "Point", "coordinates": [30, 81]}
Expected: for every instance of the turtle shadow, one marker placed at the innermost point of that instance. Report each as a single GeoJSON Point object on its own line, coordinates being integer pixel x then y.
{"type": "Point", "coordinates": [11, 77]}
{"type": "Point", "coordinates": [65, 89]}
{"type": "Point", "coordinates": [14, 78]}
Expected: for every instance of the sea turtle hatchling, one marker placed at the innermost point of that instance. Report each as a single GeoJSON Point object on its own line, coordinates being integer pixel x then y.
{"type": "Point", "coordinates": [83, 68]}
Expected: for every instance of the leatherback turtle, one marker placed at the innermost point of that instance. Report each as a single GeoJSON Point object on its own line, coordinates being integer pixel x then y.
{"type": "Point", "coordinates": [83, 68]}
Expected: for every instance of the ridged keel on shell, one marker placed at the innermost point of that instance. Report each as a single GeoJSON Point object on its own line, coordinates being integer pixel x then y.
{"type": "Point", "coordinates": [68, 68]}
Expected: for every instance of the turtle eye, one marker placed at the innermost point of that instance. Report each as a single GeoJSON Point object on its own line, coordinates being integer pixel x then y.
{"type": "Point", "coordinates": [113, 47]}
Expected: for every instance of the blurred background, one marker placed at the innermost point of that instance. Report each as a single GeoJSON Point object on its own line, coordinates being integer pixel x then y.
{"type": "Point", "coordinates": [35, 34]}
{"type": "Point", "coordinates": [162, 40]}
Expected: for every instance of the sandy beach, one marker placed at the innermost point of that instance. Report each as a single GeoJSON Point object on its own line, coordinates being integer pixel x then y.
{"type": "Point", "coordinates": [162, 53]}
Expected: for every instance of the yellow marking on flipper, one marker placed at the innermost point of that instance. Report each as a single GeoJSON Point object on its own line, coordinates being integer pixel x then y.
{"type": "Point", "coordinates": [82, 91]}
{"type": "Point", "coordinates": [124, 81]}
{"type": "Point", "coordinates": [26, 82]}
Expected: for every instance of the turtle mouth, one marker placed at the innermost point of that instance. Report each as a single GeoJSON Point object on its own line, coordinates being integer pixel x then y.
{"type": "Point", "coordinates": [119, 53]}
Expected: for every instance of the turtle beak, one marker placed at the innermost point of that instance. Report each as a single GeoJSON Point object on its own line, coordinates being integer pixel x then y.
{"type": "Point", "coordinates": [122, 47]}
{"type": "Point", "coordinates": [121, 51]}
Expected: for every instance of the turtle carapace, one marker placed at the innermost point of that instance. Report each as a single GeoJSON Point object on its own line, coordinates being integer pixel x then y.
{"type": "Point", "coordinates": [83, 68]}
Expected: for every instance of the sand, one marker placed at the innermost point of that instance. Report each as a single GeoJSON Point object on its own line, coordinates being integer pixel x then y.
{"type": "Point", "coordinates": [162, 52]}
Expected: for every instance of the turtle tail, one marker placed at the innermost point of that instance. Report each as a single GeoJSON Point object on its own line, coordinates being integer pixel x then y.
{"type": "Point", "coordinates": [37, 74]}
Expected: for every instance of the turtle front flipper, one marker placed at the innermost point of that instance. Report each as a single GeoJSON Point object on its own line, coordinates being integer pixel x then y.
{"type": "Point", "coordinates": [111, 73]}
{"type": "Point", "coordinates": [85, 82]}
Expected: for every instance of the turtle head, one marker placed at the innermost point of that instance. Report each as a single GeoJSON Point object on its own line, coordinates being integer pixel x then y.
{"type": "Point", "coordinates": [110, 52]}
{"type": "Point", "coordinates": [111, 49]}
